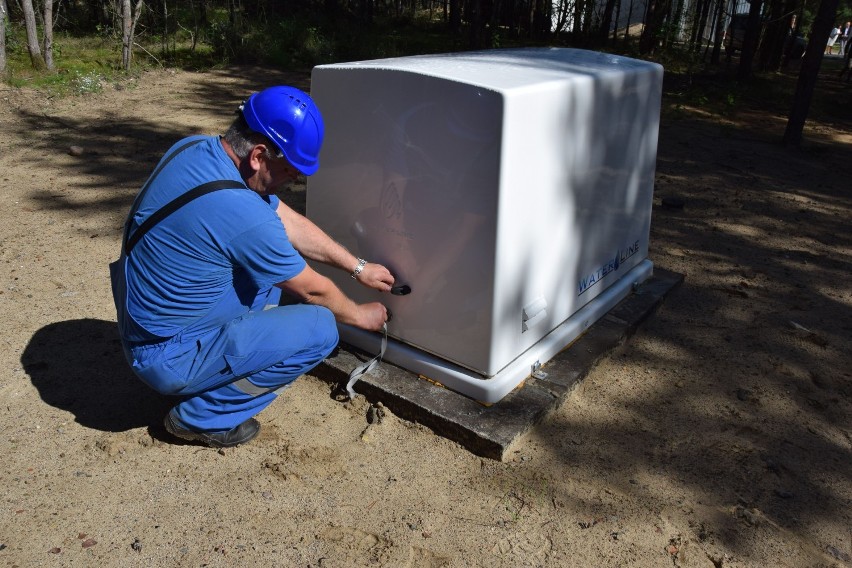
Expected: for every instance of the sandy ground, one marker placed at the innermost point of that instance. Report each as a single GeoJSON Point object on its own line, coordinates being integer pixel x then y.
{"type": "Point", "coordinates": [718, 436]}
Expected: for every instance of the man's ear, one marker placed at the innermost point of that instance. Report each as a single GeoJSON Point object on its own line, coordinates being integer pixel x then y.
{"type": "Point", "coordinates": [257, 153]}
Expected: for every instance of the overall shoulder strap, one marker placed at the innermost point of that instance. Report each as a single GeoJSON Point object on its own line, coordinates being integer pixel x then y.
{"type": "Point", "coordinates": [138, 201]}
{"type": "Point", "coordinates": [176, 204]}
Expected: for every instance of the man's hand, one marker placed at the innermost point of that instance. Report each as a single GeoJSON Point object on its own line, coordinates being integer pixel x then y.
{"type": "Point", "coordinates": [313, 288]}
{"type": "Point", "coordinates": [376, 276]}
{"type": "Point", "coordinates": [313, 243]}
{"type": "Point", "coordinates": [371, 316]}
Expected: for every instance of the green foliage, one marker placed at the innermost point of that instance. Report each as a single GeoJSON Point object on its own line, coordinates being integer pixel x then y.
{"type": "Point", "coordinates": [716, 92]}
{"type": "Point", "coordinates": [302, 41]}
{"type": "Point", "coordinates": [666, 31]}
{"type": "Point", "coordinates": [730, 99]}
{"type": "Point", "coordinates": [299, 43]}
{"type": "Point", "coordinates": [82, 64]}
{"type": "Point", "coordinates": [222, 38]}
{"type": "Point", "coordinates": [12, 39]}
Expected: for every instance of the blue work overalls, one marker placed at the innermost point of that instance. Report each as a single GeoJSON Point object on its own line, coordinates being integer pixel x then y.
{"type": "Point", "coordinates": [229, 364]}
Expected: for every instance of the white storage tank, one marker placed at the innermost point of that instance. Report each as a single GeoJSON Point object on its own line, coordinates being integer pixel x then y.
{"type": "Point", "coordinates": [510, 190]}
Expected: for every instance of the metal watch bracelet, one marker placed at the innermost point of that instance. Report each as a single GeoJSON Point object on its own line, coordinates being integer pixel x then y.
{"type": "Point", "coordinates": [359, 268]}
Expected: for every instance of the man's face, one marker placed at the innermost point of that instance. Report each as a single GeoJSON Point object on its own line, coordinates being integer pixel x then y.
{"type": "Point", "coordinates": [274, 173]}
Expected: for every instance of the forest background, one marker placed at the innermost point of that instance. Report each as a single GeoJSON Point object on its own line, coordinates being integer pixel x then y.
{"type": "Point", "coordinates": [77, 45]}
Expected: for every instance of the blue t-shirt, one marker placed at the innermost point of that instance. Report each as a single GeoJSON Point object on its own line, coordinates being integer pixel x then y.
{"type": "Point", "coordinates": [214, 253]}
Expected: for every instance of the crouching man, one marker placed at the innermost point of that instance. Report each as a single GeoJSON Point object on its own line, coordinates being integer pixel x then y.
{"type": "Point", "coordinates": [207, 251]}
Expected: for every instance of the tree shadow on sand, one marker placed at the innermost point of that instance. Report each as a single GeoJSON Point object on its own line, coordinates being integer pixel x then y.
{"type": "Point", "coordinates": [78, 366]}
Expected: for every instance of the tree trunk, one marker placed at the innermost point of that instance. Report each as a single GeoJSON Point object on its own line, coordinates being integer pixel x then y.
{"type": "Point", "coordinates": [750, 41]}
{"type": "Point", "coordinates": [606, 22]}
{"type": "Point", "coordinates": [563, 15]}
{"type": "Point", "coordinates": [773, 37]}
{"type": "Point", "coordinates": [809, 72]}
{"type": "Point", "coordinates": [588, 21]}
{"type": "Point", "coordinates": [702, 25]}
{"type": "Point", "coordinates": [32, 34]}
{"type": "Point", "coordinates": [3, 17]}
{"type": "Point", "coordinates": [674, 23]}
{"type": "Point", "coordinates": [200, 21]}
{"type": "Point", "coordinates": [627, 27]}
{"type": "Point", "coordinates": [164, 41]}
{"type": "Point", "coordinates": [48, 34]}
{"type": "Point", "coordinates": [617, 19]}
{"type": "Point", "coordinates": [719, 32]}
{"type": "Point", "coordinates": [784, 37]}
{"type": "Point", "coordinates": [455, 16]}
{"type": "Point", "coordinates": [475, 24]}
{"type": "Point", "coordinates": [577, 20]}
{"type": "Point", "coordinates": [696, 9]}
{"type": "Point", "coordinates": [129, 19]}
{"type": "Point", "coordinates": [126, 40]}
{"type": "Point", "coordinates": [654, 18]}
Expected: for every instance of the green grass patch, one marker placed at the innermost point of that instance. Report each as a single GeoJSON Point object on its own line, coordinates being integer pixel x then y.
{"type": "Point", "coordinates": [85, 64]}
{"type": "Point", "coordinates": [81, 65]}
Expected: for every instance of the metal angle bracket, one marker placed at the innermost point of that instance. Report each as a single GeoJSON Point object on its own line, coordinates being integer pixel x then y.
{"type": "Point", "coordinates": [537, 372]}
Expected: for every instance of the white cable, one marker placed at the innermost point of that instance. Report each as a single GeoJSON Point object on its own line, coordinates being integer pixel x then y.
{"type": "Point", "coordinates": [368, 366]}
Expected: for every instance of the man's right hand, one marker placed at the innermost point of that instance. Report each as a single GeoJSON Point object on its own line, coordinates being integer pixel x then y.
{"type": "Point", "coordinates": [313, 288]}
{"type": "Point", "coordinates": [372, 316]}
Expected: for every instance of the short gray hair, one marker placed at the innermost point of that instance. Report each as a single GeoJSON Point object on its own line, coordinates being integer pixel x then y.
{"type": "Point", "coordinates": [242, 139]}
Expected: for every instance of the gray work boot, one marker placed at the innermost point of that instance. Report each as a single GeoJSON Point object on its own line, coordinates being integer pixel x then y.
{"type": "Point", "coordinates": [241, 434]}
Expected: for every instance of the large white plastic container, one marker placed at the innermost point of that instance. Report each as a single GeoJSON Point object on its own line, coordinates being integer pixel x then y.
{"type": "Point", "coordinates": [511, 190]}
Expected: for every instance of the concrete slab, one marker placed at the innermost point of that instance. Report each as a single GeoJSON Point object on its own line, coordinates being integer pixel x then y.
{"type": "Point", "coordinates": [490, 431]}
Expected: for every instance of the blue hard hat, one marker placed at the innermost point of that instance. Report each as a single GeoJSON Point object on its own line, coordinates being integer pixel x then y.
{"type": "Point", "coordinates": [292, 121]}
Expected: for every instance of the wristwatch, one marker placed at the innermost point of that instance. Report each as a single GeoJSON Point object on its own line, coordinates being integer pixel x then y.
{"type": "Point", "coordinates": [359, 268]}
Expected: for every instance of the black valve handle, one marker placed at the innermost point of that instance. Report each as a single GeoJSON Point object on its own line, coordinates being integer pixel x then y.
{"type": "Point", "coordinates": [401, 290]}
